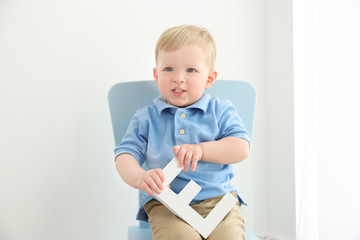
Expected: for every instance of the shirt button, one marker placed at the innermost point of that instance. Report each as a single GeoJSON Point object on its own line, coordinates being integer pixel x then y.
{"type": "Point", "coordinates": [182, 131]}
{"type": "Point", "coordinates": [183, 115]}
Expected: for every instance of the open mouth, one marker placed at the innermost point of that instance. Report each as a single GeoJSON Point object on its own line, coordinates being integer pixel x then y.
{"type": "Point", "coordinates": [178, 91]}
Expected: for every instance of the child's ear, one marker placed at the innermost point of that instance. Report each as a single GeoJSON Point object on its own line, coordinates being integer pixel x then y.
{"type": "Point", "coordinates": [155, 74]}
{"type": "Point", "coordinates": [211, 79]}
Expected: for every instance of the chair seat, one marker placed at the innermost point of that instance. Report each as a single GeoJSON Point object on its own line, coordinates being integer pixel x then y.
{"type": "Point", "coordinates": [144, 233]}
{"type": "Point", "coordinates": [139, 233]}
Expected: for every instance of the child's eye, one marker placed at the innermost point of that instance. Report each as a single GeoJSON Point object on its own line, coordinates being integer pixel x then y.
{"type": "Point", "coordinates": [191, 70]}
{"type": "Point", "coordinates": [168, 69]}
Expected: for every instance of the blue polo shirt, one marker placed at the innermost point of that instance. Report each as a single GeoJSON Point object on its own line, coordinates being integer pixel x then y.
{"type": "Point", "coordinates": [155, 129]}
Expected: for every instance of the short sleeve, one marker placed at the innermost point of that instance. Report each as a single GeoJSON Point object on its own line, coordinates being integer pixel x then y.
{"type": "Point", "coordinates": [134, 141]}
{"type": "Point", "coordinates": [230, 123]}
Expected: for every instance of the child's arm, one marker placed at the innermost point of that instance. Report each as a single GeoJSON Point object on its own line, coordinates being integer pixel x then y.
{"type": "Point", "coordinates": [131, 172]}
{"type": "Point", "coordinates": [224, 151]}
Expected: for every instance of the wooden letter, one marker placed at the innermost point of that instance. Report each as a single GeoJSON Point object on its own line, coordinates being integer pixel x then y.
{"type": "Point", "coordinates": [179, 203]}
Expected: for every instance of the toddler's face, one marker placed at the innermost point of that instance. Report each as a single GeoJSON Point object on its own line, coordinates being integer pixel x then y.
{"type": "Point", "coordinates": [183, 74]}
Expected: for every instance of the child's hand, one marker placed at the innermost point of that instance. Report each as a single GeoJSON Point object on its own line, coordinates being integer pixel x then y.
{"type": "Point", "coordinates": [188, 154]}
{"type": "Point", "coordinates": [151, 181]}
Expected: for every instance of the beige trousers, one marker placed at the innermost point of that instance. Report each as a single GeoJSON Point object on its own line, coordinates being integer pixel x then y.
{"type": "Point", "coordinates": [167, 226]}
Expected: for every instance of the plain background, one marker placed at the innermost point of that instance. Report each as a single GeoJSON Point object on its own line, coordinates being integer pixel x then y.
{"type": "Point", "coordinates": [58, 59]}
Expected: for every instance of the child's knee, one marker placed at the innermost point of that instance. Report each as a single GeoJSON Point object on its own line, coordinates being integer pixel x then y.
{"type": "Point", "coordinates": [232, 226]}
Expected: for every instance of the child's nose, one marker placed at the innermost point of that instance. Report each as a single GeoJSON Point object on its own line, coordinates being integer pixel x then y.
{"type": "Point", "coordinates": [178, 78]}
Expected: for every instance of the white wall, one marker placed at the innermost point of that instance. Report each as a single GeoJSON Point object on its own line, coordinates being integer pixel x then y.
{"type": "Point", "coordinates": [280, 180]}
{"type": "Point", "coordinates": [58, 59]}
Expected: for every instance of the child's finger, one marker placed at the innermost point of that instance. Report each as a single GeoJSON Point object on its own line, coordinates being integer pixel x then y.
{"type": "Point", "coordinates": [181, 156]}
{"type": "Point", "coordinates": [160, 173]}
{"type": "Point", "coordinates": [148, 191]}
{"type": "Point", "coordinates": [193, 165]}
{"type": "Point", "coordinates": [176, 150]}
{"type": "Point", "coordinates": [187, 161]}
{"type": "Point", "coordinates": [153, 186]}
{"type": "Point", "coordinates": [146, 188]}
{"type": "Point", "coordinates": [156, 179]}
{"type": "Point", "coordinates": [195, 159]}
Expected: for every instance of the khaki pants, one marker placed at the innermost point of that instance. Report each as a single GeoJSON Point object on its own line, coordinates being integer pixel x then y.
{"type": "Point", "coordinates": [167, 226]}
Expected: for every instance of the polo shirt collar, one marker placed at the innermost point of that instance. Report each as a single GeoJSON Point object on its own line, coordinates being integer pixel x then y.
{"type": "Point", "coordinates": [201, 104]}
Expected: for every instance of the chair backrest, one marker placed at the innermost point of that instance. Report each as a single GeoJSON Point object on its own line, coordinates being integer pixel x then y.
{"type": "Point", "coordinates": [126, 97]}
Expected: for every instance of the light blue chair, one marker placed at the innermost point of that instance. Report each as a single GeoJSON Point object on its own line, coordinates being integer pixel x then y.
{"type": "Point", "coordinates": [126, 97]}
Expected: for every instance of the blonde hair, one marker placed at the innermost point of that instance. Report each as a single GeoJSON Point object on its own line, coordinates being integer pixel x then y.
{"type": "Point", "coordinates": [184, 35]}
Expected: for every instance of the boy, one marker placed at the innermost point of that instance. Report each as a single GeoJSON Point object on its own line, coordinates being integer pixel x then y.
{"type": "Point", "coordinates": [205, 134]}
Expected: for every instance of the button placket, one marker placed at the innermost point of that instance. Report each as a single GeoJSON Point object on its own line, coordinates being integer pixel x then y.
{"type": "Point", "coordinates": [182, 116]}
{"type": "Point", "coordinates": [181, 126]}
